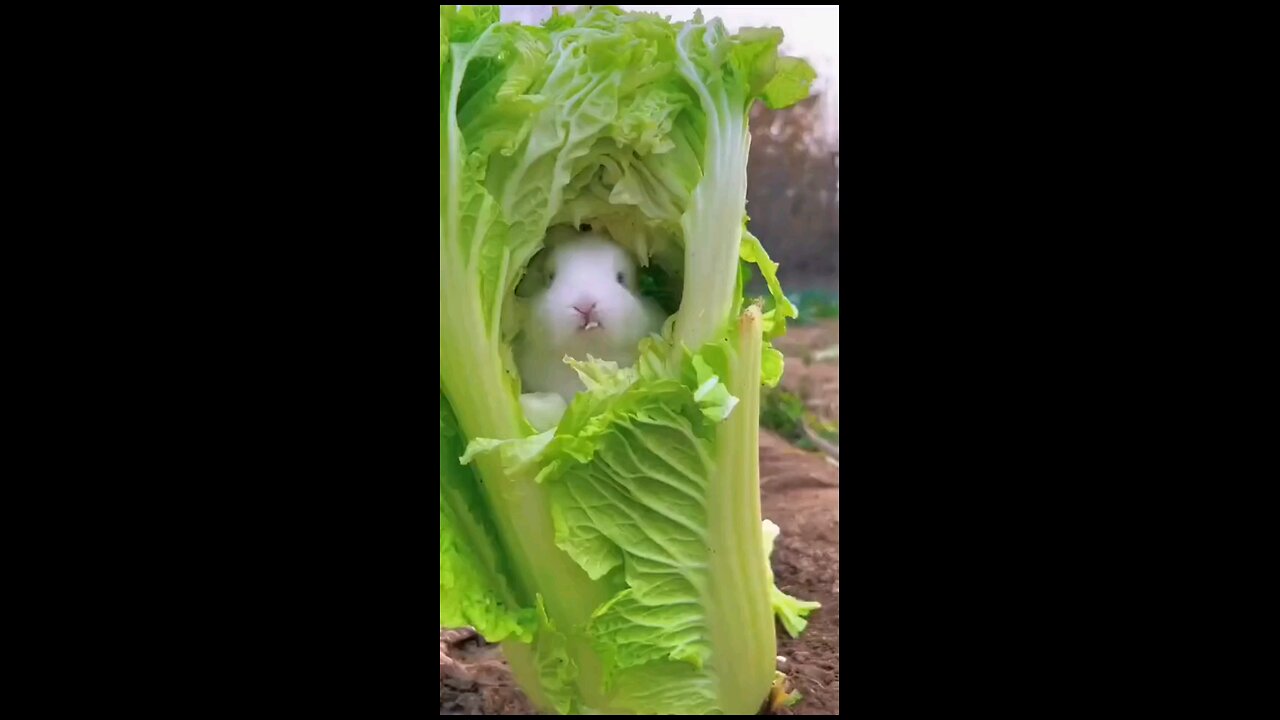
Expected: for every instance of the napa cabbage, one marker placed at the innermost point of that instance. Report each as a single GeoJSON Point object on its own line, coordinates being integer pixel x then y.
{"type": "Point", "coordinates": [620, 555]}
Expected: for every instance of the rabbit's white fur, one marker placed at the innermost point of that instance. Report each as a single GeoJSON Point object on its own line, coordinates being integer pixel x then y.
{"type": "Point", "coordinates": [587, 303]}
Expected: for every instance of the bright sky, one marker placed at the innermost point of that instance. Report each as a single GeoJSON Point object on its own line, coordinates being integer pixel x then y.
{"type": "Point", "coordinates": [810, 31]}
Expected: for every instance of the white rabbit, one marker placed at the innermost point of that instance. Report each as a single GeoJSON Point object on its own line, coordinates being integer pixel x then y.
{"type": "Point", "coordinates": [586, 303]}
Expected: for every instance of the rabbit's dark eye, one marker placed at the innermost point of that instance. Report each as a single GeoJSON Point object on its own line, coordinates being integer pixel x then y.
{"type": "Point", "coordinates": [622, 279]}
{"type": "Point", "coordinates": [552, 277]}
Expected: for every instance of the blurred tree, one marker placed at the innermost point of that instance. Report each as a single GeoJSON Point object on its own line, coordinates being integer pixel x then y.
{"type": "Point", "coordinates": [793, 193]}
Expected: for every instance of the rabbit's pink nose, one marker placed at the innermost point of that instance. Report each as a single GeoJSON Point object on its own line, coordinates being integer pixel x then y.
{"type": "Point", "coordinates": [585, 308]}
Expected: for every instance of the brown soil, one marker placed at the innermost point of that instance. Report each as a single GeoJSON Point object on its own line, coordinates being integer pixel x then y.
{"type": "Point", "coordinates": [474, 679]}
{"type": "Point", "coordinates": [800, 491]}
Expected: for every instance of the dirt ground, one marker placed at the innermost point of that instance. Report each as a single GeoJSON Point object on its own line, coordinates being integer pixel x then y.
{"type": "Point", "coordinates": [800, 491]}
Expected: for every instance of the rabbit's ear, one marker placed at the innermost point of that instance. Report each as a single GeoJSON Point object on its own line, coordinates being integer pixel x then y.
{"type": "Point", "coordinates": [536, 276]}
{"type": "Point", "coordinates": [557, 234]}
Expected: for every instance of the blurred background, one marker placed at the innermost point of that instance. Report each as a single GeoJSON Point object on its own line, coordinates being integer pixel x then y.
{"type": "Point", "coordinates": [793, 183]}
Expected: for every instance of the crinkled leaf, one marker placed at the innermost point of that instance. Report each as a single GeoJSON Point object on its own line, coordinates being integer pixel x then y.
{"type": "Point", "coordinates": [602, 378]}
{"type": "Point", "coordinates": [771, 366]}
{"type": "Point", "coordinates": [465, 23]}
{"type": "Point", "coordinates": [791, 612]}
{"type": "Point", "coordinates": [516, 453]}
{"type": "Point", "coordinates": [775, 320]}
{"type": "Point", "coordinates": [711, 394]}
{"type": "Point", "coordinates": [640, 504]}
{"type": "Point", "coordinates": [790, 84]}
